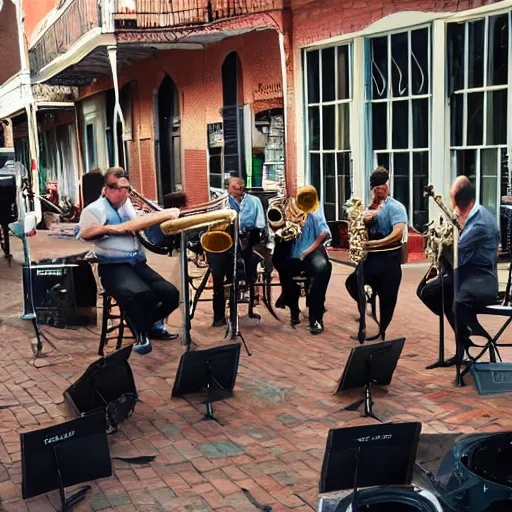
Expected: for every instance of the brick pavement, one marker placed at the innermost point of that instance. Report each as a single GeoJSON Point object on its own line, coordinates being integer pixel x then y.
{"type": "Point", "coordinates": [270, 449]}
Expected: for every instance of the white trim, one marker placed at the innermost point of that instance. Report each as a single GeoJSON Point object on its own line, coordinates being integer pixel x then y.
{"type": "Point", "coordinates": [42, 105]}
{"type": "Point", "coordinates": [76, 52]}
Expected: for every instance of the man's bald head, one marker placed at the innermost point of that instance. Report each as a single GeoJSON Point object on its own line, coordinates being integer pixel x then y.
{"type": "Point", "coordinates": [463, 193]}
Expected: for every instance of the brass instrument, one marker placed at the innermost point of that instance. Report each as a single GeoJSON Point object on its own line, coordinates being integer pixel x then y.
{"type": "Point", "coordinates": [357, 231]}
{"type": "Point", "coordinates": [285, 218]}
{"type": "Point", "coordinates": [215, 214]}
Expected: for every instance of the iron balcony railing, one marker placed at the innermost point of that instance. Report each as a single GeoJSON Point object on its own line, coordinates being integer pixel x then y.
{"type": "Point", "coordinates": [143, 14]}
{"type": "Point", "coordinates": [76, 20]}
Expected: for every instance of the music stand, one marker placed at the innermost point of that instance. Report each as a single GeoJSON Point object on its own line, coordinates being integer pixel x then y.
{"type": "Point", "coordinates": [370, 455]}
{"type": "Point", "coordinates": [360, 371]}
{"type": "Point", "coordinates": [212, 371]}
{"type": "Point", "coordinates": [63, 455]}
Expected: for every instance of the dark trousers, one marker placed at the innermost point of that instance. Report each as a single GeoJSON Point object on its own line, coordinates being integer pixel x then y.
{"type": "Point", "coordinates": [144, 295]}
{"type": "Point", "coordinates": [383, 272]}
{"type": "Point", "coordinates": [221, 266]}
{"type": "Point", "coordinates": [318, 269]}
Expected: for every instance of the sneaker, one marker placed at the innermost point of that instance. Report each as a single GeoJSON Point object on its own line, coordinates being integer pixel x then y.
{"type": "Point", "coordinates": [143, 345]}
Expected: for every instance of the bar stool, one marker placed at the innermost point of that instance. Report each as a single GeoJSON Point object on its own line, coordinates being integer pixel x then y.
{"type": "Point", "coordinates": [112, 323]}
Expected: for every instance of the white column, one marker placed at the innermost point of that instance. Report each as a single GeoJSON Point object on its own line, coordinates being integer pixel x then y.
{"type": "Point", "coordinates": [357, 120]}
{"type": "Point", "coordinates": [440, 173]}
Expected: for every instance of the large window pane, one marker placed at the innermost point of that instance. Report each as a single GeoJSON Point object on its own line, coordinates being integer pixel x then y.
{"type": "Point", "coordinates": [383, 160]}
{"type": "Point", "coordinates": [420, 122]}
{"type": "Point", "coordinates": [475, 118]}
{"type": "Point", "coordinates": [329, 124]}
{"type": "Point", "coordinates": [457, 119]}
{"type": "Point", "coordinates": [329, 186]}
{"type": "Point", "coordinates": [400, 133]}
{"type": "Point", "coordinates": [420, 181]}
{"type": "Point", "coordinates": [419, 61]}
{"type": "Point", "coordinates": [498, 63]}
{"type": "Point", "coordinates": [313, 76]}
{"type": "Point", "coordinates": [379, 125]}
{"type": "Point", "coordinates": [400, 64]}
{"type": "Point", "coordinates": [489, 179]}
{"type": "Point", "coordinates": [476, 54]}
{"type": "Point", "coordinates": [466, 164]}
{"type": "Point", "coordinates": [344, 185]}
{"type": "Point", "coordinates": [379, 53]}
{"type": "Point", "coordinates": [315, 171]}
{"type": "Point", "coordinates": [497, 117]}
{"type": "Point", "coordinates": [401, 178]}
{"type": "Point", "coordinates": [314, 128]}
{"type": "Point", "coordinates": [343, 139]}
{"type": "Point", "coordinates": [456, 48]}
{"type": "Point", "coordinates": [343, 73]}
{"type": "Point", "coordinates": [328, 78]}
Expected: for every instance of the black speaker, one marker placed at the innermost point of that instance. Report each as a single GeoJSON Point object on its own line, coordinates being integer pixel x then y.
{"type": "Point", "coordinates": [64, 294]}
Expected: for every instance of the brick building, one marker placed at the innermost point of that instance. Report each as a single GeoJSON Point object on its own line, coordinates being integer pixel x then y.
{"type": "Point", "coordinates": [280, 91]}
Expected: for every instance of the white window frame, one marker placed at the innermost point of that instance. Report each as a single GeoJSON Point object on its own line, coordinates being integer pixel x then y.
{"type": "Point", "coordinates": [485, 89]}
{"type": "Point", "coordinates": [440, 161]}
{"type": "Point", "coordinates": [320, 104]}
{"type": "Point", "coordinates": [390, 99]}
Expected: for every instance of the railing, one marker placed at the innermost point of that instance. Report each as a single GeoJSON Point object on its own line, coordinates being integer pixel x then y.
{"type": "Point", "coordinates": [137, 14]}
{"type": "Point", "coordinates": [75, 20]}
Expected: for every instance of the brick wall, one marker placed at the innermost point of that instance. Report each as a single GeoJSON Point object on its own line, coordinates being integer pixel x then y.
{"type": "Point", "coordinates": [9, 52]}
{"type": "Point", "coordinates": [321, 19]}
{"type": "Point", "coordinates": [34, 11]}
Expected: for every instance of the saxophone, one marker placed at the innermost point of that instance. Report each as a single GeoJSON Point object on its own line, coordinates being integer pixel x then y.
{"type": "Point", "coordinates": [357, 232]}
{"type": "Point", "coordinates": [285, 218]}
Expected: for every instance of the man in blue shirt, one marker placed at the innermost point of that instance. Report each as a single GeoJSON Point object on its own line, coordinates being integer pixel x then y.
{"type": "Point", "coordinates": [142, 293]}
{"type": "Point", "coordinates": [252, 222]}
{"type": "Point", "coordinates": [306, 253]}
{"type": "Point", "coordinates": [387, 226]}
{"type": "Point", "coordinates": [477, 276]}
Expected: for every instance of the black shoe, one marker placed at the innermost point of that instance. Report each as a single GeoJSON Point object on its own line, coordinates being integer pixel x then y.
{"type": "Point", "coordinates": [281, 302]}
{"type": "Point", "coordinates": [221, 322]}
{"type": "Point", "coordinates": [295, 320]}
{"type": "Point", "coordinates": [316, 327]}
{"type": "Point", "coordinates": [162, 334]}
{"type": "Point", "coordinates": [142, 344]}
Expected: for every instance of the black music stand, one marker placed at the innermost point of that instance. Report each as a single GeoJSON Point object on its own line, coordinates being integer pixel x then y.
{"type": "Point", "coordinates": [368, 365]}
{"type": "Point", "coordinates": [63, 455]}
{"type": "Point", "coordinates": [368, 456]}
{"type": "Point", "coordinates": [212, 371]}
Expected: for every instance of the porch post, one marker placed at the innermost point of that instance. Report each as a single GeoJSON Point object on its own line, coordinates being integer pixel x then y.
{"type": "Point", "coordinates": [112, 55]}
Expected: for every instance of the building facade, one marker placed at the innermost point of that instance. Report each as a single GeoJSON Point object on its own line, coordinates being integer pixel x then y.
{"type": "Point", "coordinates": [280, 92]}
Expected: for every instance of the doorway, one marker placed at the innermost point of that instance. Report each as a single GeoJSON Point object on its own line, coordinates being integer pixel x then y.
{"type": "Point", "coordinates": [167, 138]}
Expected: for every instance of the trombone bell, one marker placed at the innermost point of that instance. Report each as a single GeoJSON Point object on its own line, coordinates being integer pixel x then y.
{"type": "Point", "coordinates": [216, 241]}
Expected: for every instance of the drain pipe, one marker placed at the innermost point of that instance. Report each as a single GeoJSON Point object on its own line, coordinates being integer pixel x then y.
{"type": "Point", "coordinates": [112, 56]}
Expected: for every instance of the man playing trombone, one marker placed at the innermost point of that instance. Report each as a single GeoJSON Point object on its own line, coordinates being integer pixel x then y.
{"type": "Point", "coordinates": [143, 294]}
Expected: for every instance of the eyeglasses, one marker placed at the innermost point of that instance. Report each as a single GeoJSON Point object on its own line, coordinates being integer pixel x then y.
{"type": "Point", "coordinates": [112, 186]}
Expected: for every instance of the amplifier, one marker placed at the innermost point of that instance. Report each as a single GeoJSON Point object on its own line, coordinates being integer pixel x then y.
{"type": "Point", "coordinates": [64, 294]}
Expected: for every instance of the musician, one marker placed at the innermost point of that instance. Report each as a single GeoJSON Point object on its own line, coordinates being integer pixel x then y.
{"type": "Point", "coordinates": [386, 222]}
{"type": "Point", "coordinates": [142, 293]}
{"type": "Point", "coordinates": [476, 274]}
{"type": "Point", "coordinates": [307, 254]}
{"type": "Point", "coordinates": [252, 222]}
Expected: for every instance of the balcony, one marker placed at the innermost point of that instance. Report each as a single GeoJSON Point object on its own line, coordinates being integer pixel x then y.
{"type": "Point", "coordinates": [66, 27]}
{"type": "Point", "coordinates": [156, 14]}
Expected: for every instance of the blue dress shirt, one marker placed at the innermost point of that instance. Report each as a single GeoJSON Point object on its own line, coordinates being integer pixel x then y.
{"type": "Point", "coordinates": [315, 226]}
{"type": "Point", "coordinates": [478, 253]}
{"type": "Point", "coordinates": [250, 210]}
{"type": "Point", "coordinates": [393, 212]}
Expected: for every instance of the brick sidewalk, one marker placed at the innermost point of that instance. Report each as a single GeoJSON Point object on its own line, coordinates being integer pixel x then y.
{"type": "Point", "coordinates": [271, 446]}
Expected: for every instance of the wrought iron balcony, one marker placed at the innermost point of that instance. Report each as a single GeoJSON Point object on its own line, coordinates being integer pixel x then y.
{"type": "Point", "coordinates": [147, 14]}
{"type": "Point", "coordinates": [78, 18]}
